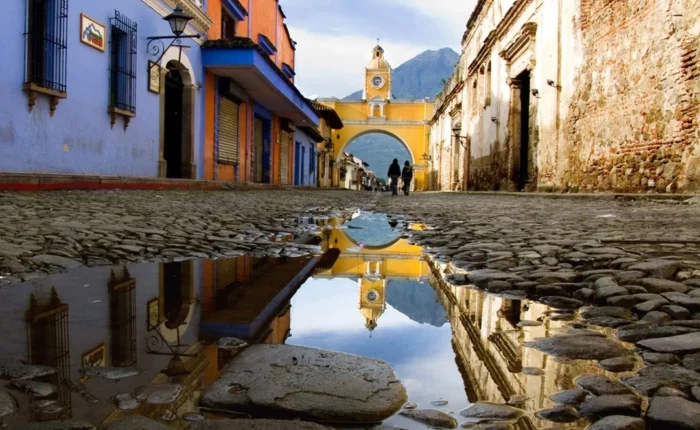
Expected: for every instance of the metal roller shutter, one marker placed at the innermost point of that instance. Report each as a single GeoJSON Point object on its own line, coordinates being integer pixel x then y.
{"type": "Point", "coordinates": [258, 149]}
{"type": "Point", "coordinates": [228, 131]}
{"type": "Point", "coordinates": [284, 157]}
{"type": "Point", "coordinates": [226, 272]}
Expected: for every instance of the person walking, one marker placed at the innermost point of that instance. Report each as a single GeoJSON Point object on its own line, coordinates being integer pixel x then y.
{"type": "Point", "coordinates": [394, 174]}
{"type": "Point", "coordinates": [407, 176]}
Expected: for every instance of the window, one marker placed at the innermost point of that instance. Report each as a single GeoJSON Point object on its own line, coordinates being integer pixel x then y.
{"type": "Point", "coordinates": [47, 44]}
{"type": "Point", "coordinates": [474, 98]}
{"type": "Point", "coordinates": [122, 85]}
{"type": "Point", "coordinates": [488, 86]}
{"type": "Point", "coordinates": [228, 25]}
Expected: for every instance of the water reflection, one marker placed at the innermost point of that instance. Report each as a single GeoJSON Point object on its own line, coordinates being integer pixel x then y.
{"type": "Point", "coordinates": [373, 293]}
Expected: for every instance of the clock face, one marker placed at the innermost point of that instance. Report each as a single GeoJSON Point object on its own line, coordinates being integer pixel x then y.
{"type": "Point", "coordinates": [377, 82]}
{"type": "Point", "coordinates": [372, 295]}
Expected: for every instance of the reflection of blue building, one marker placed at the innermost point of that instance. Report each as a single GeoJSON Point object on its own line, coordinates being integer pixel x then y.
{"type": "Point", "coordinates": [70, 107]}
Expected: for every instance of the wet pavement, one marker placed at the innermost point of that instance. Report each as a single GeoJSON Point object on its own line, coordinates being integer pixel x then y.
{"type": "Point", "coordinates": [406, 289]}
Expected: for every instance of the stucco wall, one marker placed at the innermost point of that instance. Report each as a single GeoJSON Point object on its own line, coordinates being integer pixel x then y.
{"type": "Point", "coordinates": [78, 138]}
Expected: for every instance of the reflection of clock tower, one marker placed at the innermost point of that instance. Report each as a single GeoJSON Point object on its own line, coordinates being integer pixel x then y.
{"type": "Point", "coordinates": [377, 82]}
{"type": "Point", "coordinates": [372, 301]}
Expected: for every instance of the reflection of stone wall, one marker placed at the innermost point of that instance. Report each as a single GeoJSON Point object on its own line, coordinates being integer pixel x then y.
{"type": "Point", "coordinates": [489, 349]}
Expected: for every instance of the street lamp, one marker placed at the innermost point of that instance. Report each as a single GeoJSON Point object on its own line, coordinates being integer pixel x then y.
{"type": "Point", "coordinates": [457, 130]}
{"type": "Point", "coordinates": [178, 22]}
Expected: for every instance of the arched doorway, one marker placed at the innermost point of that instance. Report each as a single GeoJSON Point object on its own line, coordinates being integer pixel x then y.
{"type": "Point", "coordinates": [177, 102]}
{"type": "Point", "coordinates": [379, 149]}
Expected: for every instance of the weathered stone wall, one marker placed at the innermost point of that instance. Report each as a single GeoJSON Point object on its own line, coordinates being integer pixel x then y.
{"type": "Point", "coordinates": [632, 123]}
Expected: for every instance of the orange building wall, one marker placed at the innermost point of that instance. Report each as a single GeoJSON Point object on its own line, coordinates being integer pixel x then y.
{"type": "Point", "coordinates": [264, 19]}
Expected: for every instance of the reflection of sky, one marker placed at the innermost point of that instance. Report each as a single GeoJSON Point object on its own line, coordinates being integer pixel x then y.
{"type": "Point", "coordinates": [325, 314]}
{"type": "Point", "coordinates": [373, 229]}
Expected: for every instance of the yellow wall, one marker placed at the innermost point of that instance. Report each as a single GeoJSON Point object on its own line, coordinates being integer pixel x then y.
{"type": "Point", "coordinates": [382, 92]}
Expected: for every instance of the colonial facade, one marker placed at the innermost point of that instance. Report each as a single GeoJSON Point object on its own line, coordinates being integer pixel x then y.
{"type": "Point", "coordinates": [572, 96]}
{"type": "Point", "coordinates": [112, 89]}
{"type": "Point", "coordinates": [257, 121]}
{"type": "Point", "coordinates": [378, 112]}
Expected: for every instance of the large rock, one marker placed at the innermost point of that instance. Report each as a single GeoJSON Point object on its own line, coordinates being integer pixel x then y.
{"type": "Point", "coordinates": [651, 378]}
{"type": "Point", "coordinates": [676, 413]}
{"type": "Point", "coordinates": [60, 425]}
{"type": "Point", "coordinates": [559, 414]}
{"type": "Point", "coordinates": [618, 422]}
{"type": "Point", "coordinates": [681, 344]}
{"type": "Point", "coordinates": [640, 333]}
{"type": "Point", "coordinates": [481, 278]}
{"type": "Point", "coordinates": [492, 411]}
{"type": "Point", "coordinates": [572, 397]}
{"type": "Point", "coordinates": [607, 311]}
{"type": "Point", "coordinates": [55, 260]}
{"type": "Point", "coordinates": [596, 408]}
{"type": "Point", "coordinates": [307, 383]}
{"type": "Point", "coordinates": [658, 286]}
{"type": "Point", "coordinates": [657, 268]}
{"type": "Point", "coordinates": [248, 424]}
{"type": "Point", "coordinates": [684, 300]}
{"type": "Point", "coordinates": [579, 347]}
{"type": "Point", "coordinates": [619, 364]}
{"type": "Point", "coordinates": [431, 417]}
{"type": "Point", "coordinates": [600, 385]}
{"type": "Point", "coordinates": [136, 422]}
{"type": "Point", "coordinates": [561, 302]}
{"type": "Point", "coordinates": [8, 404]}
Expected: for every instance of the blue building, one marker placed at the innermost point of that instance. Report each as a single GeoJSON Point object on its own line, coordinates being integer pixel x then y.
{"type": "Point", "coordinates": [306, 156]}
{"type": "Point", "coordinates": [80, 96]}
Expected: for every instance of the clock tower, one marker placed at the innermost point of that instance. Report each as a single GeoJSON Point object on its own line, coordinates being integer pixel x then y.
{"type": "Point", "coordinates": [378, 77]}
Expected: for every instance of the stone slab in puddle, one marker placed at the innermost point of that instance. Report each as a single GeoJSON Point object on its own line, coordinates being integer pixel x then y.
{"type": "Point", "coordinates": [431, 417]}
{"type": "Point", "coordinates": [599, 407]}
{"type": "Point", "coordinates": [491, 411]}
{"type": "Point", "coordinates": [579, 347]}
{"type": "Point", "coordinates": [307, 383]}
{"type": "Point", "coordinates": [673, 413]}
{"type": "Point", "coordinates": [651, 378]}
{"type": "Point", "coordinates": [136, 422]}
{"type": "Point", "coordinates": [8, 404]}
{"type": "Point", "coordinates": [681, 344]}
{"type": "Point", "coordinates": [248, 424]}
{"type": "Point", "coordinates": [618, 422]}
{"type": "Point", "coordinates": [60, 425]}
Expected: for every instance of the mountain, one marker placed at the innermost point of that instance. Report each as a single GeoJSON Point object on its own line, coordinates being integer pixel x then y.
{"type": "Point", "coordinates": [420, 77]}
{"type": "Point", "coordinates": [416, 300]}
{"type": "Point", "coordinates": [417, 78]}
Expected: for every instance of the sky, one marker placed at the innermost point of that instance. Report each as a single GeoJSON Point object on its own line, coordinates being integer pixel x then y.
{"type": "Point", "coordinates": [335, 37]}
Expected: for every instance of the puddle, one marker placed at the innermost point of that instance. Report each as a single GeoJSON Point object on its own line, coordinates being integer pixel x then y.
{"type": "Point", "coordinates": [151, 337]}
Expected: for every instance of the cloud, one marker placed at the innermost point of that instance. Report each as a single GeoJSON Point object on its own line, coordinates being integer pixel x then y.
{"type": "Point", "coordinates": [331, 65]}
{"type": "Point", "coordinates": [335, 37]}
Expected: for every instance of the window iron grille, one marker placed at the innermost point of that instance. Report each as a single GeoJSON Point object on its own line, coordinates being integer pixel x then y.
{"type": "Point", "coordinates": [47, 44]}
{"type": "Point", "coordinates": [123, 50]}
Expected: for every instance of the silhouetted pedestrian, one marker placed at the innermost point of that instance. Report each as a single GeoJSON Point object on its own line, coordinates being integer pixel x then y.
{"type": "Point", "coordinates": [407, 176]}
{"type": "Point", "coordinates": [394, 174]}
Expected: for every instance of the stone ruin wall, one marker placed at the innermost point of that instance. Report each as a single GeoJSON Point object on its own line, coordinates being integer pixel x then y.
{"type": "Point", "coordinates": [633, 119]}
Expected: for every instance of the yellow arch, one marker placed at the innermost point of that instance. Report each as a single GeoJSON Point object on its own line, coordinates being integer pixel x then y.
{"type": "Point", "coordinates": [405, 120]}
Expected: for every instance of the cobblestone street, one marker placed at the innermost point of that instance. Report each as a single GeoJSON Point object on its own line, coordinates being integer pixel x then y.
{"type": "Point", "coordinates": [48, 232]}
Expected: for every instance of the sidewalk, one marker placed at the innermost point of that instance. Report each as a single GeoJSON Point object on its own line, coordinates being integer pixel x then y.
{"type": "Point", "coordinates": [49, 182]}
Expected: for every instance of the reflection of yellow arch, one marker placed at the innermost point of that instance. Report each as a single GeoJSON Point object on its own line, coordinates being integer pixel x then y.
{"type": "Point", "coordinates": [372, 247]}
